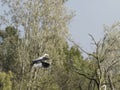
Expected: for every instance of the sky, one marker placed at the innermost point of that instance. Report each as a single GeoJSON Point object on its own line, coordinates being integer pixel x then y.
{"type": "Point", "coordinates": [90, 17]}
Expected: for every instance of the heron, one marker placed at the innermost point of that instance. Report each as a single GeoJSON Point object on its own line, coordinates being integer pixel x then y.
{"type": "Point", "coordinates": [40, 62]}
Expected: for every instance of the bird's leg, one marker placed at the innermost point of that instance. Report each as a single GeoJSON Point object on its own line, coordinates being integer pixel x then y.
{"type": "Point", "coordinates": [35, 74]}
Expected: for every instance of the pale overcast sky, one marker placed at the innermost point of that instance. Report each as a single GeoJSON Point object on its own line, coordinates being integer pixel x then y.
{"type": "Point", "coordinates": [90, 17]}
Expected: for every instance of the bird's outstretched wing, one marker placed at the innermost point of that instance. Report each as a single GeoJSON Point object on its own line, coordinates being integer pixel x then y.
{"type": "Point", "coordinates": [41, 59]}
{"type": "Point", "coordinates": [35, 62]}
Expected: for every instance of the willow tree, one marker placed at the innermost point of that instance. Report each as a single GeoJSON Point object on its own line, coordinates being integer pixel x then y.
{"type": "Point", "coordinates": [44, 26]}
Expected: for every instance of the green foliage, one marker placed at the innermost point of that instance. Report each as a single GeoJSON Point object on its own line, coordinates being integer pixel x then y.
{"type": "Point", "coordinates": [5, 80]}
{"type": "Point", "coordinates": [9, 46]}
{"type": "Point", "coordinates": [45, 26]}
{"type": "Point", "coordinates": [11, 31]}
{"type": "Point", "coordinates": [79, 67]}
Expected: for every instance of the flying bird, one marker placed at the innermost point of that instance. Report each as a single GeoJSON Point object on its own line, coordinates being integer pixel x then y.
{"type": "Point", "coordinates": [40, 62]}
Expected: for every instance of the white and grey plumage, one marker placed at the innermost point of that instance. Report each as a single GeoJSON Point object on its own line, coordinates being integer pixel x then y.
{"type": "Point", "coordinates": [40, 62]}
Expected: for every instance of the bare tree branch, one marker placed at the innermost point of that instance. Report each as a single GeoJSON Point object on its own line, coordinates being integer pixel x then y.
{"type": "Point", "coordinates": [89, 54]}
{"type": "Point", "coordinates": [96, 43]}
{"type": "Point", "coordinates": [85, 75]}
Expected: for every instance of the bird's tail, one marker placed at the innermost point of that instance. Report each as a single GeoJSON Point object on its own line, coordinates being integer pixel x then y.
{"type": "Point", "coordinates": [45, 65]}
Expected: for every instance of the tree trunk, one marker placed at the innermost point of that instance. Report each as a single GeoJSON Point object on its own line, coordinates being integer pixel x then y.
{"type": "Point", "coordinates": [110, 82]}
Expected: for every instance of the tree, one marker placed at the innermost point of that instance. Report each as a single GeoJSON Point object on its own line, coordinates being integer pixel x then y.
{"type": "Point", "coordinates": [104, 61]}
{"type": "Point", "coordinates": [112, 58]}
{"type": "Point", "coordinates": [5, 80]}
{"type": "Point", "coordinates": [76, 61]}
{"type": "Point", "coordinates": [8, 46]}
{"type": "Point", "coordinates": [45, 26]}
